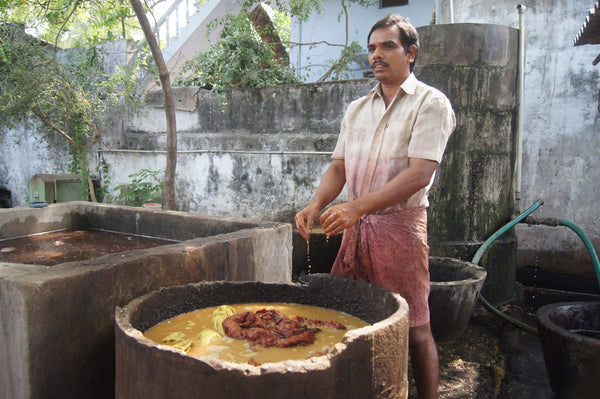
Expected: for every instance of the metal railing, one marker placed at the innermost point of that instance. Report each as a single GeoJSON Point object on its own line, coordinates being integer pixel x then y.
{"type": "Point", "coordinates": [168, 27]}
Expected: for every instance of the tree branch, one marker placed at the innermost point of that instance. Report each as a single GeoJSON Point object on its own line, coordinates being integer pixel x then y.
{"type": "Point", "coordinates": [165, 80]}
{"type": "Point", "coordinates": [65, 21]}
{"type": "Point", "coordinates": [48, 122]}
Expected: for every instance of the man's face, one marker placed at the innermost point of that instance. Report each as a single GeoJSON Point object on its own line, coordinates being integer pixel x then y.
{"type": "Point", "coordinates": [388, 59]}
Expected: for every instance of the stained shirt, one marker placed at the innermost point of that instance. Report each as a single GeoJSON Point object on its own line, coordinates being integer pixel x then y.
{"type": "Point", "coordinates": [376, 142]}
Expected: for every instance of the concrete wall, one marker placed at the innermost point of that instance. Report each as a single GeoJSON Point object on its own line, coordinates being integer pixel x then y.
{"type": "Point", "coordinates": [561, 121]}
{"type": "Point", "coordinates": [260, 157]}
{"type": "Point", "coordinates": [24, 152]}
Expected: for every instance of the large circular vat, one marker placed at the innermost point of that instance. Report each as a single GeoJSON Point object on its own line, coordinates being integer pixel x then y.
{"type": "Point", "coordinates": [570, 338]}
{"type": "Point", "coordinates": [370, 362]}
{"type": "Point", "coordinates": [454, 286]}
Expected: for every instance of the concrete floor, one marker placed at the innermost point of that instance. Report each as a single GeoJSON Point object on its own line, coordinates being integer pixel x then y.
{"type": "Point", "coordinates": [492, 359]}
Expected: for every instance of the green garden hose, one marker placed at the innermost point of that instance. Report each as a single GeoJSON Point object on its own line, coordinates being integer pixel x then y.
{"type": "Point", "coordinates": [484, 247]}
{"type": "Point", "coordinates": [587, 243]}
{"type": "Point", "coordinates": [550, 222]}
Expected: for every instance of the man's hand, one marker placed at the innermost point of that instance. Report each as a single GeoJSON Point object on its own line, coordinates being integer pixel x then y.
{"type": "Point", "coordinates": [305, 220]}
{"type": "Point", "coordinates": [331, 185]}
{"type": "Point", "coordinates": [339, 217]}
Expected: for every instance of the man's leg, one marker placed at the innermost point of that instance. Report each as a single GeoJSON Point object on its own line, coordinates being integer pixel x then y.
{"type": "Point", "coordinates": [424, 360]}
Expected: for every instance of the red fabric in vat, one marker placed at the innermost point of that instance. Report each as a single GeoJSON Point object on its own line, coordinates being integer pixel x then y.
{"type": "Point", "coordinates": [272, 328]}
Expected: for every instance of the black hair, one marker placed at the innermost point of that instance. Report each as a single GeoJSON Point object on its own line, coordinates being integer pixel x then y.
{"type": "Point", "coordinates": [408, 33]}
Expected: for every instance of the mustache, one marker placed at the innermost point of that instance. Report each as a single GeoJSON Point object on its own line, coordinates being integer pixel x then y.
{"type": "Point", "coordinates": [379, 62]}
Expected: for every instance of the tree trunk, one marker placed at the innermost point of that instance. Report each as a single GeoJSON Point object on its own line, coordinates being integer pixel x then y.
{"type": "Point", "coordinates": [264, 26]}
{"type": "Point", "coordinates": [165, 81]}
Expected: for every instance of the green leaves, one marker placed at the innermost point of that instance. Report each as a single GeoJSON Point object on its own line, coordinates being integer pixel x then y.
{"type": "Point", "coordinates": [303, 9]}
{"type": "Point", "coordinates": [239, 58]}
{"type": "Point", "coordinates": [69, 23]}
{"type": "Point", "coordinates": [146, 186]}
{"type": "Point", "coordinates": [67, 92]}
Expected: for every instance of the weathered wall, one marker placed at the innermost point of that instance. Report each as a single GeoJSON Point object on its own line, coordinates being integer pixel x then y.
{"type": "Point", "coordinates": [261, 156]}
{"type": "Point", "coordinates": [561, 121]}
{"type": "Point", "coordinates": [28, 149]}
{"type": "Point", "coordinates": [25, 152]}
{"type": "Point", "coordinates": [473, 194]}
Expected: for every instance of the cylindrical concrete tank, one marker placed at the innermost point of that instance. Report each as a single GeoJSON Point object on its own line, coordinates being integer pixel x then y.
{"type": "Point", "coordinates": [475, 65]}
{"type": "Point", "coordinates": [370, 362]}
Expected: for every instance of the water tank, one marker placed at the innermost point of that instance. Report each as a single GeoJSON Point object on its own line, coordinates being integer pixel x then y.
{"type": "Point", "coordinates": [475, 65]}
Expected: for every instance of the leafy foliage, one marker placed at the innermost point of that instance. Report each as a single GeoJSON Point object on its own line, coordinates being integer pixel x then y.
{"type": "Point", "coordinates": [239, 58]}
{"type": "Point", "coordinates": [146, 186]}
{"type": "Point", "coordinates": [303, 9]}
{"type": "Point", "coordinates": [68, 94]}
{"type": "Point", "coordinates": [68, 23]}
{"type": "Point", "coordinates": [340, 67]}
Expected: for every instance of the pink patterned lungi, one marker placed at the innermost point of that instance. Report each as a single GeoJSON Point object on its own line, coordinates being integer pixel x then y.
{"type": "Point", "coordinates": [390, 250]}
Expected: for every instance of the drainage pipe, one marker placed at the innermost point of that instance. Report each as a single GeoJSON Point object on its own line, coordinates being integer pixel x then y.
{"type": "Point", "coordinates": [520, 89]}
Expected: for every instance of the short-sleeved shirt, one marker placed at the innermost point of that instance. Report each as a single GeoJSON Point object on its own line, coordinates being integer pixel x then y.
{"type": "Point", "coordinates": [389, 248]}
{"type": "Point", "coordinates": [376, 143]}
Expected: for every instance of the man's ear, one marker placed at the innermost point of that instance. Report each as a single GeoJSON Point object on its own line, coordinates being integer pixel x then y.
{"type": "Point", "coordinates": [412, 52]}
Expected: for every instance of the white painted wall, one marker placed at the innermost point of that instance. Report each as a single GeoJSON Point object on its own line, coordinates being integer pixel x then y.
{"type": "Point", "coordinates": [311, 62]}
{"type": "Point", "coordinates": [561, 124]}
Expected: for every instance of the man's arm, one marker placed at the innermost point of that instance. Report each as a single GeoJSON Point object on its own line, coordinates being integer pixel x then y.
{"type": "Point", "coordinates": [331, 185]}
{"type": "Point", "coordinates": [406, 183]}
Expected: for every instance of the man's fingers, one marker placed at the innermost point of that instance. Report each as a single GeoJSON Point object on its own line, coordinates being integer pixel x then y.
{"type": "Point", "coordinates": [304, 226]}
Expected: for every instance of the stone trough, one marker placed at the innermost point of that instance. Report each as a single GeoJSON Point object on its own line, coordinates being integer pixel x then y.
{"type": "Point", "coordinates": [370, 362]}
{"type": "Point", "coordinates": [57, 322]}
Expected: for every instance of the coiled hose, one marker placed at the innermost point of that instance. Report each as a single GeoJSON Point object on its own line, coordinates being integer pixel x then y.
{"type": "Point", "coordinates": [550, 222]}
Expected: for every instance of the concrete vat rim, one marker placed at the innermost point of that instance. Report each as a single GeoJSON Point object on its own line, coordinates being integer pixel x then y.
{"type": "Point", "coordinates": [123, 322]}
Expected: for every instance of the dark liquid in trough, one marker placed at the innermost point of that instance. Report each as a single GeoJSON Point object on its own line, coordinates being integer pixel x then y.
{"type": "Point", "coordinates": [53, 248]}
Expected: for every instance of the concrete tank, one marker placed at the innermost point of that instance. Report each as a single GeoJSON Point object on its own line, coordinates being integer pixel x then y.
{"type": "Point", "coordinates": [370, 362]}
{"type": "Point", "coordinates": [475, 65]}
{"type": "Point", "coordinates": [56, 322]}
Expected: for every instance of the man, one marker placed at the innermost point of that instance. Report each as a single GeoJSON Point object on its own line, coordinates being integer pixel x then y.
{"type": "Point", "coordinates": [391, 142]}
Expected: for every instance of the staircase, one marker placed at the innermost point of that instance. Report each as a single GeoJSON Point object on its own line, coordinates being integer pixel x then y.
{"type": "Point", "coordinates": [182, 27]}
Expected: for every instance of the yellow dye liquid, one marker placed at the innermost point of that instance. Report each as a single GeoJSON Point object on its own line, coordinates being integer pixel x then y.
{"type": "Point", "coordinates": [190, 325]}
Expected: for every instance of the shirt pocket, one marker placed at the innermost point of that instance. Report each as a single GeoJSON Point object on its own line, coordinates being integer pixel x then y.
{"type": "Point", "coordinates": [396, 137]}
